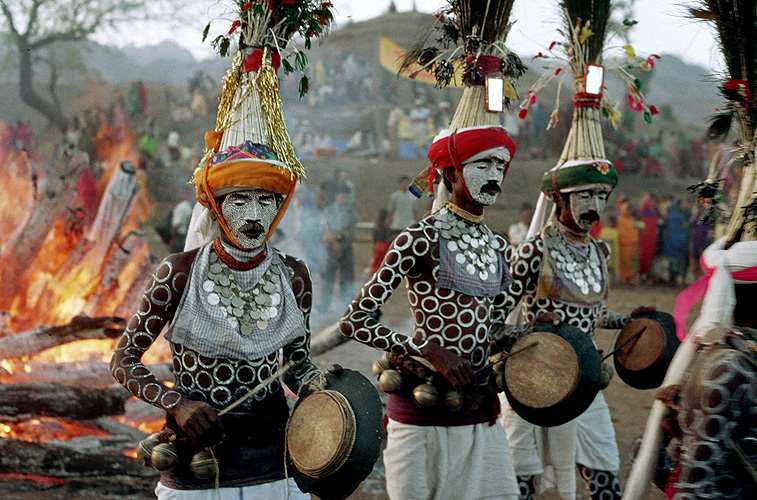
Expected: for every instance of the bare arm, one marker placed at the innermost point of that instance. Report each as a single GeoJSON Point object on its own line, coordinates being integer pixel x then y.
{"type": "Point", "coordinates": [525, 270]}
{"type": "Point", "coordinates": [299, 349]}
{"type": "Point", "coordinates": [159, 302]}
{"type": "Point", "coordinates": [358, 321]}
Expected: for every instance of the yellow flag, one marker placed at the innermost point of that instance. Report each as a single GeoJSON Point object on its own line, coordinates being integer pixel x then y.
{"type": "Point", "coordinates": [390, 57]}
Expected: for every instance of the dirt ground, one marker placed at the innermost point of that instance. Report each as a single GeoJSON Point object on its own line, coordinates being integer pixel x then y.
{"type": "Point", "coordinates": [374, 181]}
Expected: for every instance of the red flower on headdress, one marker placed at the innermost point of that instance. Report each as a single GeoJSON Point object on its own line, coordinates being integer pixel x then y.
{"type": "Point", "coordinates": [236, 24]}
{"type": "Point", "coordinates": [246, 6]}
{"type": "Point", "coordinates": [522, 113]}
{"type": "Point", "coordinates": [653, 110]}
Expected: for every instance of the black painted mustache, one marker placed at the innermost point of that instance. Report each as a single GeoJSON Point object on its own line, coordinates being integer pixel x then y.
{"type": "Point", "coordinates": [491, 188]}
{"type": "Point", "coordinates": [254, 228]}
{"type": "Point", "coordinates": [590, 216]}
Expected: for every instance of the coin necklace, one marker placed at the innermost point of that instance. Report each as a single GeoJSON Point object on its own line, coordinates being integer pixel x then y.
{"type": "Point", "coordinates": [473, 245]}
{"type": "Point", "coordinates": [585, 273]}
{"type": "Point", "coordinates": [243, 310]}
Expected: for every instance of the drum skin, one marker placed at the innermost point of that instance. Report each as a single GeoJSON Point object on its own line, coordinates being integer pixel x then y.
{"type": "Point", "coordinates": [643, 362]}
{"type": "Point", "coordinates": [556, 380]}
{"type": "Point", "coordinates": [369, 433]}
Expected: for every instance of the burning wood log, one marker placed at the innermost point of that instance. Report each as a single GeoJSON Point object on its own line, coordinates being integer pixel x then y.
{"type": "Point", "coordinates": [48, 460]}
{"type": "Point", "coordinates": [22, 401]}
{"type": "Point", "coordinates": [111, 215]}
{"type": "Point", "coordinates": [43, 337]}
{"type": "Point", "coordinates": [83, 373]}
{"type": "Point", "coordinates": [130, 302]}
{"type": "Point", "coordinates": [105, 296]}
{"type": "Point", "coordinates": [19, 253]}
{"type": "Point", "coordinates": [326, 339]}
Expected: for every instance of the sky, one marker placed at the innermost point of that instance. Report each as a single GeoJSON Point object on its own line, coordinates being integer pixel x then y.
{"type": "Point", "coordinates": [663, 28]}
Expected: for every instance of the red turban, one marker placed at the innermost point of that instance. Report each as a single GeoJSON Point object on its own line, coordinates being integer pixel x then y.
{"type": "Point", "coordinates": [454, 149]}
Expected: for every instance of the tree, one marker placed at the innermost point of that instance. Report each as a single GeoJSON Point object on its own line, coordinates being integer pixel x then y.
{"type": "Point", "coordinates": [36, 27]}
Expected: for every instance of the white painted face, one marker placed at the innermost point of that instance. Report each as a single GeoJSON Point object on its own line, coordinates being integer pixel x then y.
{"type": "Point", "coordinates": [483, 177]}
{"type": "Point", "coordinates": [587, 205]}
{"type": "Point", "coordinates": [249, 215]}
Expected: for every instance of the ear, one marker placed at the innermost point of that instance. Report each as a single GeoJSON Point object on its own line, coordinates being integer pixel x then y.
{"type": "Point", "coordinates": [450, 175]}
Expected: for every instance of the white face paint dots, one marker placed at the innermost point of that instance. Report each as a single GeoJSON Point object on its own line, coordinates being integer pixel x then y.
{"type": "Point", "coordinates": [587, 205]}
{"type": "Point", "coordinates": [483, 177]}
{"type": "Point", "coordinates": [249, 214]}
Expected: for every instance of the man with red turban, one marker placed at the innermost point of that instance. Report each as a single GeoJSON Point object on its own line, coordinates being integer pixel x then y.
{"type": "Point", "coordinates": [456, 273]}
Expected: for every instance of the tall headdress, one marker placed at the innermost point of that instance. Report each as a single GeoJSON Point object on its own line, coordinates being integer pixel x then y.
{"type": "Point", "coordinates": [731, 259]}
{"type": "Point", "coordinates": [579, 55]}
{"type": "Point", "coordinates": [250, 145]}
{"type": "Point", "coordinates": [470, 35]}
{"type": "Point", "coordinates": [735, 22]}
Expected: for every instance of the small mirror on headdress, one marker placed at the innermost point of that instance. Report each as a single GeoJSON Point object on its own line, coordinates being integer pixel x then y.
{"type": "Point", "coordinates": [495, 94]}
{"type": "Point", "coordinates": [594, 79]}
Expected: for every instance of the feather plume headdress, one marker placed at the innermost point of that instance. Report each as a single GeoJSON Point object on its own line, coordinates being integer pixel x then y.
{"type": "Point", "coordinates": [471, 34]}
{"type": "Point", "coordinates": [250, 145]}
{"type": "Point", "coordinates": [736, 27]}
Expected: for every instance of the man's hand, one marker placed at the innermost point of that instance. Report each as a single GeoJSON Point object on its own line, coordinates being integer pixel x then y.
{"type": "Point", "coordinates": [548, 317]}
{"type": "Point", "coordinates": [199, 421]}
{"type": "Point", "coordinates": [454, 368]}
{"type": "Point", "coordinates": [643, 309]}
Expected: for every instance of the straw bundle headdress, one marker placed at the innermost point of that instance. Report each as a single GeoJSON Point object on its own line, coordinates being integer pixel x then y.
{"type": "Point", "coordinates": [736, 26]}
{"type": "Point", "coordinates": [250, 145]}
{"type": "Point", "coordinates": [583, 160]}
{"type": "Point", "coordinates": [470, 34]}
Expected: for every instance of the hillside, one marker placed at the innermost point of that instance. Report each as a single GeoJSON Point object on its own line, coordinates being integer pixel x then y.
{"type": "Point", "coordinates": [684, 87]}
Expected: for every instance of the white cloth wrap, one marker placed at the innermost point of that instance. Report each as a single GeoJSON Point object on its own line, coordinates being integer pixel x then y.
{"type": "Point", "coordinates": [275, 490]}
{"type": "Point", "coordinates": [553, 452]}
{"type": "Point", "coordinates": [202, 229]}
{"type": "Point", "coordinates": [467, 462]}
{"type": "Point", "coordinates": [716, 313]}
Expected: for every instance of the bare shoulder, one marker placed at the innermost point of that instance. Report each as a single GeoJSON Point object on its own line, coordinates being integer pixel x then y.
{"type": "Point", "coordinates": [296, 264]}
{"type": "Point", "coordinates": [532, 247]}
{"type": "Point", "coordinates": [603, 247]}
{"type": "Point", "coordinates": [176, 264]}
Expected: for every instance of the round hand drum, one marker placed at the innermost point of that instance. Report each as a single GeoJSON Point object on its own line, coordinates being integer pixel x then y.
{"type": "Point", "coordinates": [334, 436]}
{"type": "Point", "coordinates": [556, 380]}
{"type": "Point", "coordinates": [645, 348]}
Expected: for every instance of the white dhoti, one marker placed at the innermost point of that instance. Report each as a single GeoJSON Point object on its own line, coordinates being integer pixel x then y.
{"type": "Point", "coordinates": [468, 462]}
{"type": "Point", "coordinates": [553, 452]}
{"type": "Point", "coordinates": [276, 490]}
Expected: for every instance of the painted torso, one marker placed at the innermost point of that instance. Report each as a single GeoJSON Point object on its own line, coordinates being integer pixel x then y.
{"type": "Point", "coordinates": [574, 288]}
{"type": "Point", "coordinates": [216, 380]}
{"type": "Point", "coordinates": [460, 322]}
{"type": "Point", "coordinates": [718, 405]}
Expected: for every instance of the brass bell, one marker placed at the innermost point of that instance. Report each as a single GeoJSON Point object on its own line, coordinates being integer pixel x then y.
{"type": "Point", "coordinates": [379, 366]}
{"type": "Point", "coordinates": [203, 465]}
{"type": "Point", "coordinates": [426, 395]}
{"type": "Point", "coordinates": [164, 457]}
{"type": "Point", "coordinates": [390, 381]}
{"type": "Point", "coordinates": [453, 400]}
{"type": "Point", "coordinates": [144, 448]}
{"type": "Point", "coordinates": [607, 372]}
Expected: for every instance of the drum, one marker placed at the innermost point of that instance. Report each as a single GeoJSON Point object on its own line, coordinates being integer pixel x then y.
{"type": "Point", "coordinates": [555, 380]}
{"type": "Point", "coordinates": [645, 348]}
{"type": "Point", "coordinates": [334, 435]}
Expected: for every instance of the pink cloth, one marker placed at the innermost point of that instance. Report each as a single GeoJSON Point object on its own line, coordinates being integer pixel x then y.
{"type": "Point", "coordinates": [695, 292]}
